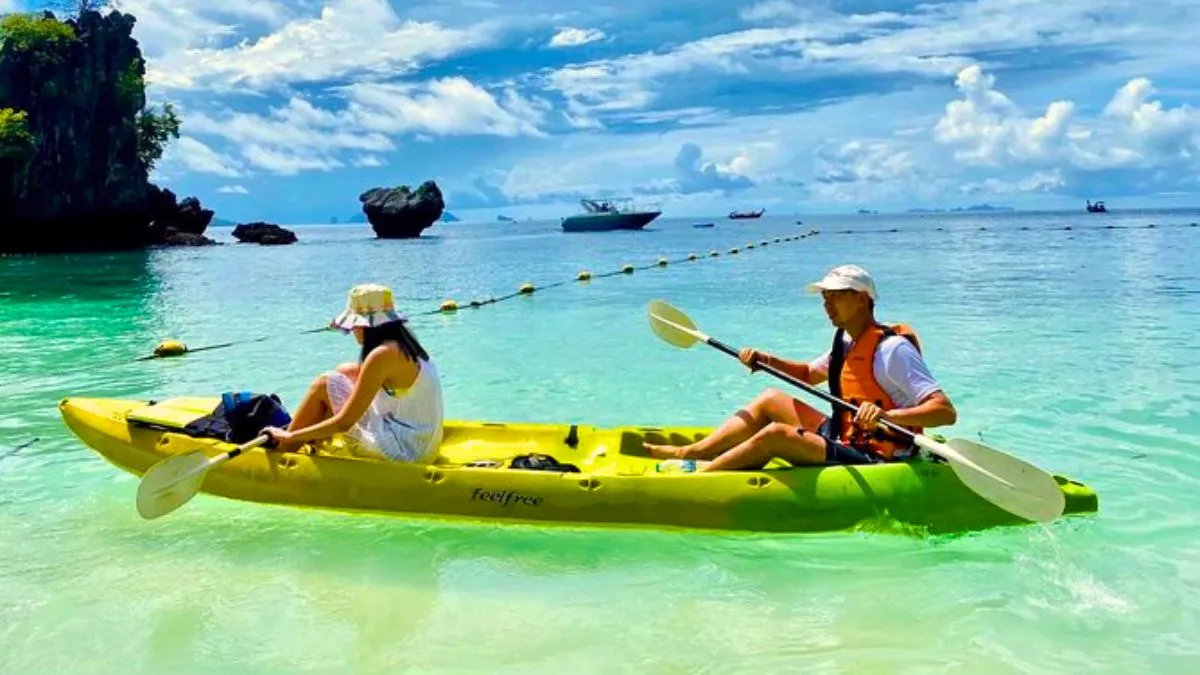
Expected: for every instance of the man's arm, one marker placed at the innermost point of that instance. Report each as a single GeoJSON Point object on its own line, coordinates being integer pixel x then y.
{"type": "Point", "coordinates": [813, 373]}
{"type": "Point", "coordinates": [906, 368]}
{"type": "Point", "coordinates": [936, 410]}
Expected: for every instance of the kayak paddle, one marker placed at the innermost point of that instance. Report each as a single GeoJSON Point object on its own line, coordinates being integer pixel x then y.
{"type": "Point", "coordinates": [172, 482]}
{"type": "Point", "coordinates": [1010, 483]}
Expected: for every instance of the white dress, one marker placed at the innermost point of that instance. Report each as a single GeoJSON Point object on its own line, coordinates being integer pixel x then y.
{"type": "Point", "coordinates": [405, 426]}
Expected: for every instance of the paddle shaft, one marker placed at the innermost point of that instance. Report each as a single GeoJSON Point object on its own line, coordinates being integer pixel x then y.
{"type": "Point", "coordinates": [228, 455]}
{"type": "Point", "coordinates": [242, 448]}
{"type": "Point", "coordinates": [829, 398]}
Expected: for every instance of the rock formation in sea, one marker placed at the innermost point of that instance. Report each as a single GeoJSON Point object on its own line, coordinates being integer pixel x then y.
{"type": "Point", "coordinates": [177, 223]}
{"type": "Point", "coordinates": [78, 143]}
{"type": "Point", "coordinates": [267, 234]}
{"type": "Point", "coordinates": [398, 213]}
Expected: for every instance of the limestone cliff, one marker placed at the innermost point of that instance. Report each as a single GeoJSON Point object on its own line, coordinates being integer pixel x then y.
{"type": "Point", "coordinates": [77, 141]}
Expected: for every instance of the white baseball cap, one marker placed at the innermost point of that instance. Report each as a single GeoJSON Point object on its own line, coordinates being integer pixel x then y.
{"type": "Point", "coordinates": [846, 278]}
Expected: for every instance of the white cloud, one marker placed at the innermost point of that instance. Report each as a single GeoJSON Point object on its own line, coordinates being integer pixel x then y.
{"type": "Point", "coordinates": [772, 9]}
{"type": "Point", "coordinates": [986, 127]}
{"type": "Point", "coordinates": [7, 6]}
{"type": "Point", "coordinates": [298, 126]}
{"type": "Point", "coordinates": [1041, 181]}
{"type": "Point", "coordinates": [932, 40]}
{"type": "Point", "coordinates": [870, 161]}
{"type": "Point", "coordinates": [865, 171]}
{"type": "Point", "coordinates": [170, 25]}
{"type": "Point", "coordinates": [681, 116]}
{"type": "Point", "coordinates": [349, 36]}
{"type": "Point", "coordinates": [191, 154]}
{"type": "Point", "coordinates": [289, 139]}
{"type": "Point", "coordinates": [233, 190]}
{"type": "Point", "coordinates": [287, 162]}
{"type": "Point", "coordinates": [444, 107]}
{"type": "Point", "coordinates": [733, 155]}
{"type": "Point", "coordinates": [575, 37]}
{"type": "Point", "coordinates": [300, 136]}
{"type": "Point", "coordinates": [693, 175]}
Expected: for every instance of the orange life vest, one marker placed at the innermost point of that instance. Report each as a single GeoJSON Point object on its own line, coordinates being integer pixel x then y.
{"type": "Point", "coordinates": [852, 379]}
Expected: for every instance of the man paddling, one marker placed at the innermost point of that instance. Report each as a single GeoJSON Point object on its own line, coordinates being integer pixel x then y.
{"type": "Point", "coordinates": [877, 367]}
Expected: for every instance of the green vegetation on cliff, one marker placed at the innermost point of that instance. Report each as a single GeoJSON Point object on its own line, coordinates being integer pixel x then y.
{"type": "Point", "coordinates": [15, 140]}
{"type": "Point", "coordinates": [26, 31]}
{"type": "Point", "coordinates": [154, 130]}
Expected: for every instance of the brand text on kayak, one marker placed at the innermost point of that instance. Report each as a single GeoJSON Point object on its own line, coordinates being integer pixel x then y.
{"type": "Point", "coordinates": [505, 497]}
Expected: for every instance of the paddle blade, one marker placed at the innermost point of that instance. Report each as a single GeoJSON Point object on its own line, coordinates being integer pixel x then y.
{"type": "Point", "coordinates": [662, 315]}
{"type": "Point", "coordinates": [170, 483]}
{"type": "Point", "coordinates": [1030, 493]}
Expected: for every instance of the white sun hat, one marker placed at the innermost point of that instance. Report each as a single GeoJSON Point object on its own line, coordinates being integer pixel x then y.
{"type": "Point", "coordinates": [846, 278]}
{"type": "Point", "coordinates": [367, 306]}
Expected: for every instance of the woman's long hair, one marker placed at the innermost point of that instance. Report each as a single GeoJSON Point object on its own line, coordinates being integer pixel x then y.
{"type": "Point", "coordinates": [394, 331]}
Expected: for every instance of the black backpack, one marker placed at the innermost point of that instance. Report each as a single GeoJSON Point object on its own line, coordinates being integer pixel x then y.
{"type": "Point", "coordinates": [240, 416]}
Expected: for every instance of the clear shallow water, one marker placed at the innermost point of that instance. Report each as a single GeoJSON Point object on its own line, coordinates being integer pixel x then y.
{"type": "Point", "coordinates": [1071, 348]}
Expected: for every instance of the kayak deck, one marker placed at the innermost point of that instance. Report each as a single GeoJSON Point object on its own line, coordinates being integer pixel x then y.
{"type": "Point", "coordinates": [616, 485]}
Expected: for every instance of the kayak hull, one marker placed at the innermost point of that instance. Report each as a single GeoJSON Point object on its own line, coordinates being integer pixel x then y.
{"type": "Point", "coordinates": [617, 485]}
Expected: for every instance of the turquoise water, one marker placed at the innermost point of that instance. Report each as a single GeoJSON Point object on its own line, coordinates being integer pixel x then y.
{"type": "Point", "coordinates": [1070, 348]}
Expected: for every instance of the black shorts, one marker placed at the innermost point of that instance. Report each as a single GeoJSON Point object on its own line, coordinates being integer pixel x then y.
{"type": "Point", "coordinates": [837, 452]}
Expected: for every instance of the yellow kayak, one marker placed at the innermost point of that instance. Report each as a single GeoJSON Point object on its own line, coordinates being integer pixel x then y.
{"type": "Point", "coordinates": [616, 484]}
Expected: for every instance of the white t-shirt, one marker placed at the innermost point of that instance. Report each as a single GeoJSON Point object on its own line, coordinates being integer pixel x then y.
{"type": "Point", "coordinates": [898, 368]}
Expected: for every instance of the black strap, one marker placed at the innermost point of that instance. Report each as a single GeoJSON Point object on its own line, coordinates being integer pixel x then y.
{"type": "Point", "coordinates": [837, 360]}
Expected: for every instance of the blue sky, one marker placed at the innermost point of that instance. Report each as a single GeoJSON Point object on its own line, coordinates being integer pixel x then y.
{"type": "Point", "coordinates": [291, 109]}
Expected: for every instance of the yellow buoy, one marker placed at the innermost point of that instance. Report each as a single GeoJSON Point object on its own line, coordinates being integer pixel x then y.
{"type": "Point", "coordinates": [585, 275]}
{"type": "Point", "coordinates": [448, 306]}
{"type": "Point", "coordinates": [526, 288]}
{"type": "Point", "coordinates": [170, 348]}
{"type": "Point", "coordinates": [662, 262]}
{"type": "Point", "coordinates": [628, 269]}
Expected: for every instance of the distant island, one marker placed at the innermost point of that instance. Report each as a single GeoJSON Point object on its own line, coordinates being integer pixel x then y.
{"type": "Point", "coordinates": [959, 209]}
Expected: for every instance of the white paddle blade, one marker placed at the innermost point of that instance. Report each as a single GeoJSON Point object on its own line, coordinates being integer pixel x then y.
{"type": "Point", "coordinates": [671, 325]}
{"type": "Point", "coordinates": [170, 483]}
{"type": "Point", "coordinates": [1023, 489]}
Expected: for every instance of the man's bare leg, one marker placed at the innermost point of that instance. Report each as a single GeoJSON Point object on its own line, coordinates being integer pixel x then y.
{"type": "Point", "coordinates": [774, 440]}
{"type": "Point", "coordinates": [771, 406]}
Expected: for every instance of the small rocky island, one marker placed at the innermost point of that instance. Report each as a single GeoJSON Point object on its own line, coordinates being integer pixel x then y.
{"type": "Point", "coordinates": [78, 141]}
{"type": "Point", "coordinates": [398, 213]}
{"type": "Point", "coordinates": [266, 234]}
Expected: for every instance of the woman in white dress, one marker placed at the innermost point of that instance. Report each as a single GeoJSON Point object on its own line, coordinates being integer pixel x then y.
{"type": "Point", "coordinates": [390, 401]}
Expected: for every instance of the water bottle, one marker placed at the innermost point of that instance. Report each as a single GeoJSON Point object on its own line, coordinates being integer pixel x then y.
{"type": "Point", "coordinates": [676, 466]}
